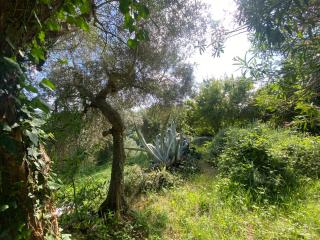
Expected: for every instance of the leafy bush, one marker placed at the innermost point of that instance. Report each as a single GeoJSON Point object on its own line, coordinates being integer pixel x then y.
{"type": "Point", "coordinates": [215, 147]}
{"type": "Point", "coordinates": [267, 162]}
{"type": "Point", "coordinates": [138, 181]}
{"type": "Point", "coordinates": [303, 154]}
{"type": "Point", "coordinates": [138, 158]}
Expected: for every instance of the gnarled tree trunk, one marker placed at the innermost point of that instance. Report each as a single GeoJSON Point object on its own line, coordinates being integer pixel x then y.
{"type": "Point", "coordinates": [115, 201]}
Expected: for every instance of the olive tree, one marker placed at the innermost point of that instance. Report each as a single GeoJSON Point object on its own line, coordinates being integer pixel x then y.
{"type": "Point", "coordinates": [105, 73]}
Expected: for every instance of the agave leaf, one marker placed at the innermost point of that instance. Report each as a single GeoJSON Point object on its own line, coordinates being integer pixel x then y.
{"type": "Point", "coordinates": [149, 147]}
{"type": "Point", "coordinates": [167, 146]}
{"type": "Point", "coordinates": [154, 153]}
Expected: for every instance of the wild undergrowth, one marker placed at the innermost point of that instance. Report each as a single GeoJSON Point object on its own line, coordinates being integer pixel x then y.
{"type": "Point", "coordinates": [198, 210]}
{"type": "Point", "coordinates": [210, 203]}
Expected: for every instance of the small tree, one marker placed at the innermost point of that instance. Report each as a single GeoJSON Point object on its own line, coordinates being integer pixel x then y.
{"type": "Point", "coordinates": [220, 103]}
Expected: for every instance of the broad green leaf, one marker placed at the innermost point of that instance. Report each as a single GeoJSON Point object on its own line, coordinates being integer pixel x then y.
{"type": "Point", "coordinates": [12, 63]}
{"type": "Point", "coordinates": [132, 43]}
{"type": "Point", "coordinates": [6, 127]}
{"type": "Point", "coordinates": [41, 36]}
{"type": "Point", "coordinates": [4, 207]}
{"type": "Point", "coordinates": [33, 152]}
{"type": "Point", "coordinates": [38, 103]}
{"type": "Point", "coordinates": [37, 53]}
{"type": "Point", "coordinates": [33, 137]}
{"type": "Point", "coordinates": [53, 185]}
{"type": "Point", "coordinates": [30, 88]}
{"type": "Point", "coordinates": [48, 84]}
{"type": "Point", "coordinates": [124, 6]}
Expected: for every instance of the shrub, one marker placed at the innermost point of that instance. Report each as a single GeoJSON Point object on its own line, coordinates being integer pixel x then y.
{"type": "Point", "coordinates": [303, 154]}
{"type": "Point", "coordinates": [266, 162]}
{"type": "Point", "coordinates": [246, 160]}
{"type": "Point", "coordinates": [215, 147]}
{"type": "Point", "coordinates": [104, 154]}
{"type": "Point", "coordinates": [138, 181]}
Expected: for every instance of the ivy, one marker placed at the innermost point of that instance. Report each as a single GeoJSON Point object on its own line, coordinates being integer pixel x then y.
{"type": "Point", "coordinates": [48, 84]}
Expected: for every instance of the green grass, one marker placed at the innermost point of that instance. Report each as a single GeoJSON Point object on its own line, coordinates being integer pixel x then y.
{"type": "Point", "coordinates": [197, 209]}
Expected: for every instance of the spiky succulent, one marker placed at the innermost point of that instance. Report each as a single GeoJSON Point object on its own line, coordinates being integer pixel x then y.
{"type": "Point", "coordinates": [166, 148]}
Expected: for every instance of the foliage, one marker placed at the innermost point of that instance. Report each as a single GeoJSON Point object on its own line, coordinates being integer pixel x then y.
{"type": "Point", "coordinates": [107, 75]}
{"type": "Point", "coordinates": [214, 148]}
{"type": "Point", "coordinates": [156, 117]}
{"type": "Point", "coordinates": [21, 137]}
{"type": "Point", "coordinates": [281, 23]}
{"type": "Point", "coordinates": [27, 35]}
{"type": "Point", "coordinates": [220, 103]}
{"type": "Point", "coordinates": [266, 162]}
{"type": "Point", "coordinates": [286, 37]}
{"type": "Point", "coordinates": [285, 104]}
{"type": "Point", "coordinates": [201, 207]}
{"type": "Point", "coordinates": [138, 157]}
{"type": "Point", "coordinates": [247, 161]}
{"type": "Point", "coordinates": [138, 181]}
{"type": "Point", "coordinates": [168, 148]}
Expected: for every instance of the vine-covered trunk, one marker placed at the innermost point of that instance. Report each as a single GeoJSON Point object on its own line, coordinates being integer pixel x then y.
{"type": "Point", "coordinates": [15, 204]}
{"type": "Point", "coordinates": [115, 201]}
{"type": "Point", "coordinates": [22, 209]}
{"type": "Point", "coordinates": [23, 201]}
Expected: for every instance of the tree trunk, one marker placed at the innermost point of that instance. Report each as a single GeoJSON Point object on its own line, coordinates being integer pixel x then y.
{"type": "Point", "coordinates": [14, 201]}
{"type": "Point", "coordinates": [18, 191]}
{"type": "Point", "coordinates": [17, 207]}
{"type": "Point", "coordinates": [115, 201]}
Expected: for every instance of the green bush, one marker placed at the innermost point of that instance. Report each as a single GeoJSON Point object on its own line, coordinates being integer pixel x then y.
{"type": "Point", "coordinates": [215, 147]}
{"type": "Point", "coordinates": [266, 162]}
{"type": "Point", "coordinates": [139, 181]}
{"type": "Point", "coordinates": [303, 153]}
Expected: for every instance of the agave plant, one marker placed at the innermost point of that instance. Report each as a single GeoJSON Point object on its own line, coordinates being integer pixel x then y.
{"type": "Point", "coordinates": [167, 147]}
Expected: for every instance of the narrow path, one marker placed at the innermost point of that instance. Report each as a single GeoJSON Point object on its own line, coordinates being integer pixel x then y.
{"type": "Point", "coordinates": [207, 169]}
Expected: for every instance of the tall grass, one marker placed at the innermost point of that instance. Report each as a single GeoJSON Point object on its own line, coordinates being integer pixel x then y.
{"type": "Point", "coordinates": [197, 210]}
